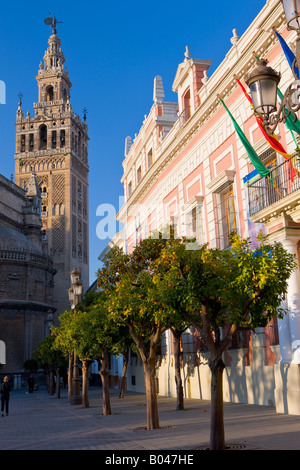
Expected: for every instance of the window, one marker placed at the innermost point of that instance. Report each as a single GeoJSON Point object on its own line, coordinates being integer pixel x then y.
{"type": "Point", "coordinates": [195, 224]}
{"type": "Point", "coordinates": [174, 222]}
{"type": "Point", "coordinates": [139, 175]}
{"type": "Point", "coordinates": [44, 235]}
{"type": "Point", "coordinates": [49, 93]}
{"type": "Point", "coordinates": [23, 140]}
{"type": "Point", "coordinates": [54, 139]}
{"type": "Point", "coordinates": [43, 137]}
{"type": "Point", "coordinates": [139, 234]}
{"type": "Point", "coordinates": [44, 211]}
{"type": "Point", "coordinates": [150, 158]}
{"type": "Point", "coordinates": [62, 138]}
{"type": "Point", "coordinates": [31, 142]}
{"type": "Point", "coordinates": [44, 193]}
{"type": "Point", "coordinates": [186, 106]}
{"type": "Point", "coordinates": [263, 192]}
{"type": "Point", "coordinates": [129, 191]}
{"type": "Point", "coordinates": [227, 216]}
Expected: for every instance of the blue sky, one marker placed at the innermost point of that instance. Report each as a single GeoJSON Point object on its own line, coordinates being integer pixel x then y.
{"type": "Point", "coordinates": [113, 52]}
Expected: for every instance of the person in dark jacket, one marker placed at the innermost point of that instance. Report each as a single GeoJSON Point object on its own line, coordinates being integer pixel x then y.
{"type": "Point", "coordinates": [30, 384]}
{"type": "Point", "coordinates": [5, 394]}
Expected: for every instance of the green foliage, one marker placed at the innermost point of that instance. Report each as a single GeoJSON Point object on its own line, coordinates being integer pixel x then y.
{"type": "Point", "coordinates": [48, 356]}
{"type": "Point", "coordinates": [88, 328]}
{"type": "Point", "coordinates": [236, 288]}
{"type": "Point", "coordinates": [133, 298]}
{"type": "Point", "coordinates": [31, 365]}
{"type": "Point", "coordinates": [163, 284]}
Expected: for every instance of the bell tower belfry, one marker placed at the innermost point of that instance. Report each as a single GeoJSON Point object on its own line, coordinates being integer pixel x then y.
{"type": "Point", "coordinates": [53, 143]}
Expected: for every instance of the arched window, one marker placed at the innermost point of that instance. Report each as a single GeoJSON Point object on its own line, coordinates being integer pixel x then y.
{"type": "Point", "coordinates": [31, 142]}
{"type": "Point", "coordinates": [2, 352]}
{"type": "Point", "coordinates": [23, 143]}
{"type": "Point", "coordinates": [43, 137]}
{"type": "Point", "coordinates": [186, 104]}
{"type": "Point", "coordinates": [49, 93]}
{"type": "Point", "coordinates": [62, 138]}
{"type": "Point", "coordinates": [54, 139]}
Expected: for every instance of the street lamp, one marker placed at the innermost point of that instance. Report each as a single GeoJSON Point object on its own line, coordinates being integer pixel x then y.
{"type": "Point", "coordinates": [263, 80]}
{"type": "Point", "coordinates": [75, 292]}
{"type": "Point", "coordinates": [292, 13]}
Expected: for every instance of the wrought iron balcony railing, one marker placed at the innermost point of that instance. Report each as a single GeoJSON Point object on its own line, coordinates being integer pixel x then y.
{"type": "Point", "coordinates": [282, 181]}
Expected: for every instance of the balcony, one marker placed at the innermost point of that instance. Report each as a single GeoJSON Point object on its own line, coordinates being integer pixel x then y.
{"type": "Point", "coordinates": [278, 192]}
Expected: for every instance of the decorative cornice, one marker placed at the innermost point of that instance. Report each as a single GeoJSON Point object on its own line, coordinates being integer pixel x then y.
{"type": "Point", "coordinates": [25, 305]}
{"type": "Point", "coordinates": [261, 38]}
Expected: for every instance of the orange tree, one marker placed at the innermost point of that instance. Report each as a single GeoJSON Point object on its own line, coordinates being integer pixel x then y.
{"type": "Point", "coordinates": [89, 332]}
{"type": "Point", "coordinates": [133, 302]}
{"type": "Point", "coordinates": [94, 341]}
{"type": "Point", "coordinates": [168, 293]}
{"type": "Point", "coordinates": [222, 292]}
{"type": "Point", "coordinates": [97, 328]}
{"type": "Point", "coordinates": [52, 360]}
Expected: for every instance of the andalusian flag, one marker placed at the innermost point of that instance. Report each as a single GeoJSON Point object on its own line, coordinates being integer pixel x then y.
{"type": "Point", "coordinates": [271, 139]}
{"type": "Point", "coordinates": [256, 161]}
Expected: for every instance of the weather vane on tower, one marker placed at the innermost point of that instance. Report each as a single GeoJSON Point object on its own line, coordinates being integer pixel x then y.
{"type": "Point", "coordinates": [52, 22]}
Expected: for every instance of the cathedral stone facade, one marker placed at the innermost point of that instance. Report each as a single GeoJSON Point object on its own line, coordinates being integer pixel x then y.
{"type": "Point", "coordinates": [54, 144]}
{"type": "Point", "coordinates": [27, 275]}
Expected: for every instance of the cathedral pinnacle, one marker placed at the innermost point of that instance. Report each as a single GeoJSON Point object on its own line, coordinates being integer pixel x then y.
{"type": "Point", "coordinates": [20, 111]}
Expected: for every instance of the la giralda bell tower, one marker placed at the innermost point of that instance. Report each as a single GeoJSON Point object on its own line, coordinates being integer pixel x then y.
{"type": "Point", "coordinates": [54, 144]}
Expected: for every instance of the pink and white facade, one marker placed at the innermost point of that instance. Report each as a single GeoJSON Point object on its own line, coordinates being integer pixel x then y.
{"type": "Point", "coordinates": [187, 165]}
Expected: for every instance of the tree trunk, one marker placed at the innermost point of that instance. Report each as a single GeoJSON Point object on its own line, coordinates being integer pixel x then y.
{"type": "Point", "coordinates": [104, 373]}
{"type": "Point", "coordinates": [149, 363]}
{"type": "Point", "coordinates": [124, 372]}
{"type": "Point", "coordinates": [70, 376]}
{"type": "Point", "coordinates": [51, 382]}
{"type": "Point", "coordinates": [85, 396]}
{"type": "Point", "coordinates": [150, 385]}
{"type": "Point", "coordinates": [48, 379]}
{"type": "Point", "coordinates": [217, 433]}
{"type": "Point", "coordinates": [57, 383]}
{"type": "Point", "coordinates": [177, 360]}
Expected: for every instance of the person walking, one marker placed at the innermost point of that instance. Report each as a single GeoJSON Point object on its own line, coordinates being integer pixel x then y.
{"type": "Point", "coordinates": [30, 384]}
{"type": "Point", "coordinates": [5, 394]}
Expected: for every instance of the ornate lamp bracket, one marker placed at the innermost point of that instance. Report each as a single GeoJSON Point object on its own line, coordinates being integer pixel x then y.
{"type": "Point", "coordinates": [290, 105]}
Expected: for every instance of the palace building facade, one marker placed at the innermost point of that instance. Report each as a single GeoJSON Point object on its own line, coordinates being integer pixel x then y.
{"type": "Point", "coordinates": [54, 144]}
{"type": "Point", "coordinates": [187, 165]}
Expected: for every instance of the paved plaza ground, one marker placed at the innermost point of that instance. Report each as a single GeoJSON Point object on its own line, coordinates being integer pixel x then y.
{"type": "Point", "coordinates": [39, 421]}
